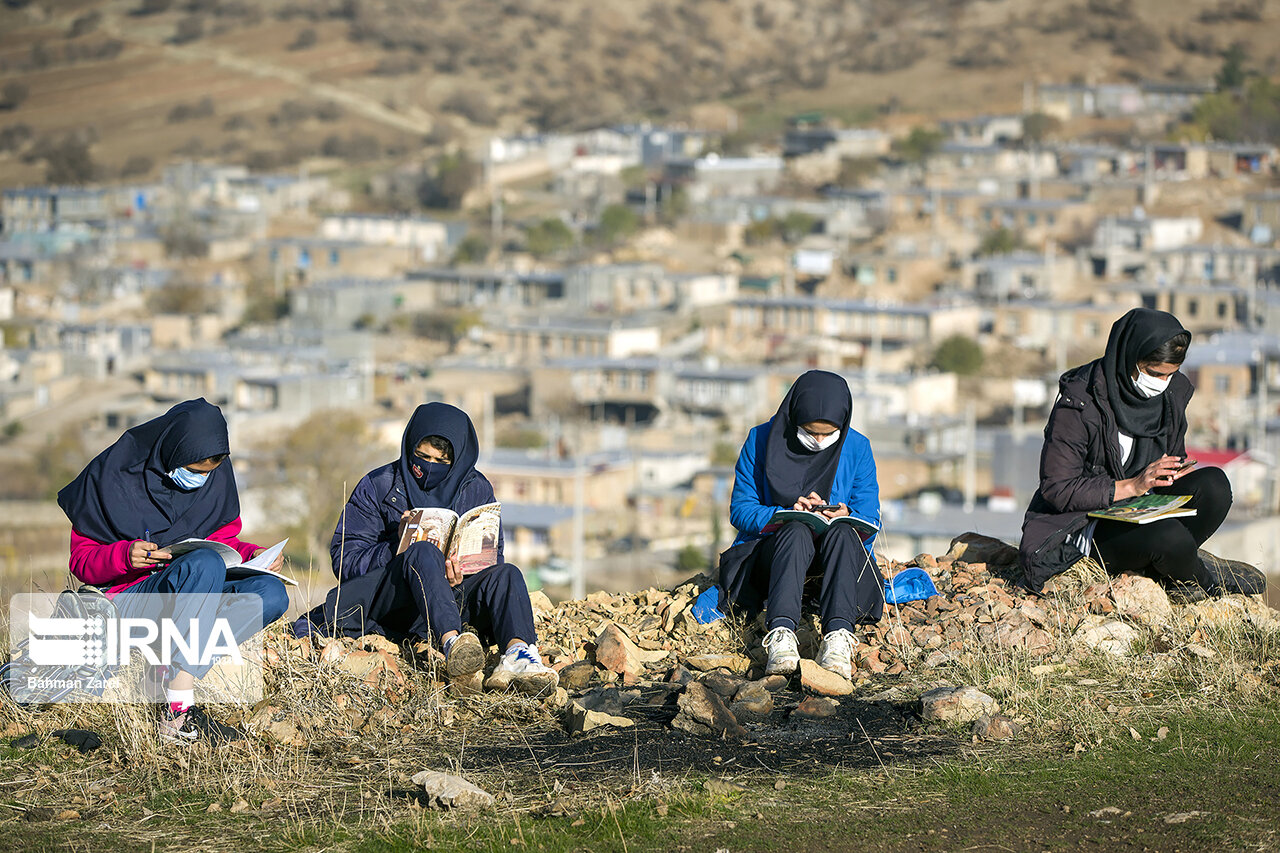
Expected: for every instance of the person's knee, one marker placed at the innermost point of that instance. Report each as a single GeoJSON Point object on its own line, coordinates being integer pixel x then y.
{"type": "Point", "coordinates": [1215, 487]}
{"type": "Point", "coordinates": [506, 575]}
{"type": "Point", "coordinates": [201, 569]}
{"type": "Point", "coordinates": [275, 600]}
{"type": "Point", "coordinates": [842, 533]}
{"type": "Point", "coordinates": [424, 557]}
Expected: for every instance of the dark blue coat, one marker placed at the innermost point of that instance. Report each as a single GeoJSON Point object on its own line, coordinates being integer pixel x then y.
{"type": "Point", "coordinates": [368, 530]}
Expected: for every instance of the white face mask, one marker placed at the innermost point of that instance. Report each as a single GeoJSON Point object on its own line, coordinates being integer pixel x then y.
{"type": "Point", "coordinates": [812, 442]}
{"type": "Point", "coordinates": [1151, 386]}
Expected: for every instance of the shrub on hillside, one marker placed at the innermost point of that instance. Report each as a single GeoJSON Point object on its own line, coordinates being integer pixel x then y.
{"type": "Point", "coordinates": [187, 30]}
{"type": "Point", "coordinates": [84, 24]}
{"type": "Point", "coordinates": [304, 39]}
{"type": "Point", "coordinates": [13, 95]}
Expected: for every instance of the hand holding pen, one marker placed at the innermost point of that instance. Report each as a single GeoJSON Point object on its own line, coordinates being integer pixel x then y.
{"type": "Point", "coordinates": [145, 554]}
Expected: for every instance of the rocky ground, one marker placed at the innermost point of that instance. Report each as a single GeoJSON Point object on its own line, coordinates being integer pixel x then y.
{"type": "Point", "coordinates": [644, 657]}
{"type": "Point", "coordinates": [365, 733]}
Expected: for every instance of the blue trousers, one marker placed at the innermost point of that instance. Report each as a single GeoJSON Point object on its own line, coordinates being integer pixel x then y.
{"type": "Point", "coordinates": [411, 597]}
{"type": "Point", "coordinates": [200, 576]}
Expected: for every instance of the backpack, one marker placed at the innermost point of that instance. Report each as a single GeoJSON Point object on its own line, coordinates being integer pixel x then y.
{"type": "Point", "coordinates": [87, 603]}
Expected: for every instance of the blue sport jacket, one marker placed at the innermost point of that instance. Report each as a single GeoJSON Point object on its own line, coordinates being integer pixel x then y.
{"type": "Point", "coordinates": [368, 529]}
{"type": "Point", "coordinates": [855, 485]}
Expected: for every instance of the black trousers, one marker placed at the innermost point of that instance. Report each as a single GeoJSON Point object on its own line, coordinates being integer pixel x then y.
{"type": "Point", "coordinates": [852, 587]}
{"type": "Point", "coordinates": [1169, 547]}
{"type": "Point", "coordinates": [411, 597]}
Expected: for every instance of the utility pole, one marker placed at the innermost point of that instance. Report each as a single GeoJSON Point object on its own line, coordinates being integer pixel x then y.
{"type": "Point", "coordinates": [970, 457]}
{"type": "Point", "coordinates": [579, 591]}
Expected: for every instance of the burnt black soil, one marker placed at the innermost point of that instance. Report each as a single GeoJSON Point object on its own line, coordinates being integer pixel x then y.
{"type": "Point", "coordinates": [860, 735]}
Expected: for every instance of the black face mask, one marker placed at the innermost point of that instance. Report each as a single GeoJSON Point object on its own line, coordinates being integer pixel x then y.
{"type": "Point", "coordinates": [429, 474]}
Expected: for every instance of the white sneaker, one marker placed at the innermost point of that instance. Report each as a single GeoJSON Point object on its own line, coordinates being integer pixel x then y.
{"type": "Point", "coordinates": [523, 667]}
{"type": "Point", "coordinates": [836, 652]}
{"type": "Point", "coordinates": [784, 652]}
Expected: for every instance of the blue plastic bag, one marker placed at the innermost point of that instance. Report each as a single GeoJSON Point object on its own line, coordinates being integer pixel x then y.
{"type": "Point", "coordinates": [909, 585]}
{"type": "Point", "coordinates": [706, 609]}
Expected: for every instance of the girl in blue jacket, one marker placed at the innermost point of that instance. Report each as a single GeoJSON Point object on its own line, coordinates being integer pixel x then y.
{"type": "Point", "coordinates": [419, 593]}
{"type": "Point", "coordinates": [805, 457]}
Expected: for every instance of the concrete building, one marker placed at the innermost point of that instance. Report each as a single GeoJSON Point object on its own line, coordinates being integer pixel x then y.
{"type": "Point", "coordinates": [431, 240]}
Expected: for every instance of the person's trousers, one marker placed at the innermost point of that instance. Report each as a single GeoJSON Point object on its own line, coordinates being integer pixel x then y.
{"type": "Point", "coordinates": [411, 596]}
{"type": "Point", "coordinates": [1169, 547]}
{"type": "Point", "coordinates": [852, 587]}
{"type": "Point", "coordinates": [195, 587]}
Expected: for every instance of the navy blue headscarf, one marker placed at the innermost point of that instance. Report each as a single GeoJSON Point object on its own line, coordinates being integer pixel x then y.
{"type": "Point", "coordinates": [124, 491]}
{"type": "Point", "coordinates": [791, 469]}
{"type": "Point", "coordinates": [447, 422]}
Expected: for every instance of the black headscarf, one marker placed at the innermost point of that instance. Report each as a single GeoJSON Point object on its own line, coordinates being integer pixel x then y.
{"type": "Point", "coordinates": [125, 492]}
{"type": "Point", "coordinates": [448, 422]}
{"type": "Point", "coordinates": [1149, 420]}
{"type": "Point", "coordinates": [791, 469]}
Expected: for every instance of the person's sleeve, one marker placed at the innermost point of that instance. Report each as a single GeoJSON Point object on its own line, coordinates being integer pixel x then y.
{"type": "Point", "coordinates": [229, 534]}
{"type": "Point", "coordinates": [1064, 482]}
{"type": "Point", "coordinates": [864, 497]}
{"type": "Point", "coordinates": [361, 542]}
{"type": "Point", "coordinates": [101, 563]}
{"type": "Point", "coordinates": [747, 510]}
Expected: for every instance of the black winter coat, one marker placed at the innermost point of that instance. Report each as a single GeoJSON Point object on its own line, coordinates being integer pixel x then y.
{"type": "Point", "coordinates": [1079, 467]}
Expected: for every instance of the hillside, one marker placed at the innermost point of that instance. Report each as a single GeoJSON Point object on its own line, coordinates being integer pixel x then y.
{"type": "Point", "coordinates": [270, 82]}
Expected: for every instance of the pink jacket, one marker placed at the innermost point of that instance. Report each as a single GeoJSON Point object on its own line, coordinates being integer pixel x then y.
{"type": "Point", "coordinates": [100, 563]}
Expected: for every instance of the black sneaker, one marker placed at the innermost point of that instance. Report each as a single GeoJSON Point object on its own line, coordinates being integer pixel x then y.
{"type": "Point", "coordinates": [1232, 576]}
{"type": "Point", "coordinates": [1185, 592]}
{"type": "Point", "coordinates": [194, 725]}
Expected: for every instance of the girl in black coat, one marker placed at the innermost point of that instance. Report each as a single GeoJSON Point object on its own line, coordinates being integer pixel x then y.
{"type": "Point", "coordinates": [1118, 430]}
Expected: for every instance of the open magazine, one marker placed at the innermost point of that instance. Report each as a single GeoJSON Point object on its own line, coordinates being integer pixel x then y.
{"type": "Point", "coordinates": [1145, 509]}
{"type": "Point", "coordinates": [819, 523]}
{"type": "Point", "coordinates": [236, 566]}
{"type": "Point", "coordinates": [471, 540]}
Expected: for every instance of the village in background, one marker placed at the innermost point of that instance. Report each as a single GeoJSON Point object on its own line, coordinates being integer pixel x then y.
{"type": "Point", "coordinates": [617, 305]}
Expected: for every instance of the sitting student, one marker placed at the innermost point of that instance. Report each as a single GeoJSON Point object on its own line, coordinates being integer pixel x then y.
{"type": "Point", "coordinates": [1118, 430]}
{"type": "Point", "coordinates": [167, 480]}
{"type": "Point", "coordinates": [419, 593]}
{"type": "Point", "coordinates": [806, 456]}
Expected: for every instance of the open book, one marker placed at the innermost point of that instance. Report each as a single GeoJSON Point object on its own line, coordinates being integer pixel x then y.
{"type": "Point", "coordinates": [819, 523]}
{"type": "Point", "coordinates": [471, 540]}
{"type": "Point", "coordinates": [237, 567]}
{"type": "Point", "coordinates": [1145, 509]}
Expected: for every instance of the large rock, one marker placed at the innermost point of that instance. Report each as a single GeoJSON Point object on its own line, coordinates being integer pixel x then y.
{"type": "Point", "coordinates": [584, 719]}
{"type": "Point", "coordinates": [540, 603]}
{"type": "Point", "coordinates": [700, 706]}
{"type": "Point", "coordinates": [616, 653]}
{"type": "Point", "coordinates": [816, 707]}
{"type": "Point", "coordinates": [1142, 600]}
{"type": "Point", "coordinates": [363, 666]}
{"type": "Point", "coordinates": [824, 682]}
{"type": "Point", "coordinates": [577, 675]}
{"type": "Point", "coordinates": [451, 792]}
{"type": "Point", "coordinates": [601, 707]}
{"type": "Point", "coordinates": [956, 704]}
{"type": "Point", "coordinates": [1111, 636]}
{"type": "Point", "coordinates": [996, 727]}
{"type": "Point", "coordinates": [736, 664]}
{"type": "Point", "coordinates": [976, 548]}
{"type": "Point", "coordinates": [752, 703]}
{"type": "Point", "coordinates": [722, 683]}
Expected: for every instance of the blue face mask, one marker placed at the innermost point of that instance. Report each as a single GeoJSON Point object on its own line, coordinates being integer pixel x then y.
{"type": "Point", "coordinates": [429, 474]}
{"type": "Point", "coordinates": [187, 479]}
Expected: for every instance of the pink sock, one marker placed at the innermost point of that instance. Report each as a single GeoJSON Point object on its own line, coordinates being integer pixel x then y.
{"type": "Point", "coordinates": [180, 700]}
